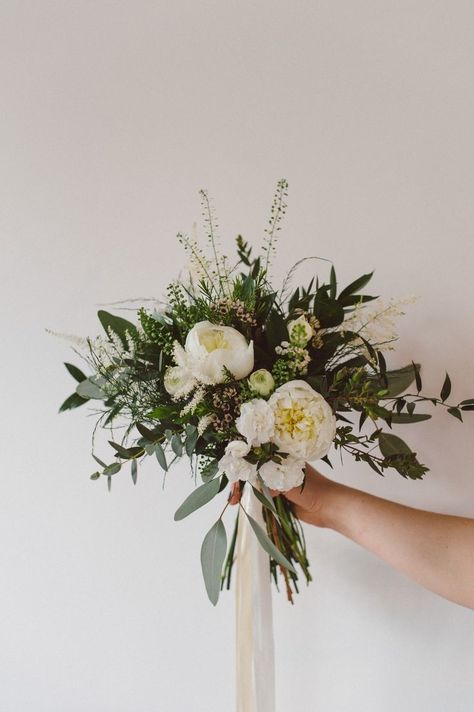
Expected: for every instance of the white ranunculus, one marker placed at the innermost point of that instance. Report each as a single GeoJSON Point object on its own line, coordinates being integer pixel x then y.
{"type": "Point", "coordinates": [210, 348]}
{"type": "Point", "coordinates": [256, 421]}
{"type": "Point", "coordinates": [233, 465]}
{"type": "Point", "coordinates": [284, 476]}
{"type": "Point", "coordinates": [304, 422]}
{"type": "Point", "coordinates": [300, 331]}
{"type": "Point", "coordinates": [178, 381]}
{"type": "Point", "coordinates": [262, 382]}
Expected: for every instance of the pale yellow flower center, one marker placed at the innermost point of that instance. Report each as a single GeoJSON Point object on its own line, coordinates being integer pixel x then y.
{"type": "Point", "coordinates": [214, 339]}
{"type": "Point", "coordinates": [295, 422]}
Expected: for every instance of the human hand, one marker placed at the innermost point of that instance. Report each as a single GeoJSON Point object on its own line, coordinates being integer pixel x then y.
{"type": "Point", "coordinates": [308, 504]}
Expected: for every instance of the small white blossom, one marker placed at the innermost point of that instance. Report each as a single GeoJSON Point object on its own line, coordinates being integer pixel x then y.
{"type": "Point", "coordinates": [256, 421]}
{"type": "Point", "coordinates": [233, 464]}
{"type": "Point", "coordinates": [284, 476]}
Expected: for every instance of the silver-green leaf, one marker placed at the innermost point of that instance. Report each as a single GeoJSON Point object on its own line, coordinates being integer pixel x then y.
{"type": "Point", "coordinates": [198, 498]}
{"type": "Point", "coordinates": [213, 551]}
{"type": "Point", "coordinates": [268, 545]}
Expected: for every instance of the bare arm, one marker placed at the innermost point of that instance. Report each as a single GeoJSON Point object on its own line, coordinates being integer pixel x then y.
{"type": "Point", "coordinates": [436, 550]}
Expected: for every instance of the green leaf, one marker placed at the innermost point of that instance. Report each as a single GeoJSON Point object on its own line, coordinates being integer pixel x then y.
{"type": "Point", "coordinates": [356, 285]}
{"type": "Point", "coordinates": [468, 401]}
{"type": "Point", "coordinates": [198, 498]}
{"type": "Point", "coordinates": [210, 470]}
{"type": "Point", "coordinates": [446, 389]}
{"type": "Point", "coordinates": [192, 437]}
{"type": "Point", "coordinates": [332, 283]}
{"type": "Point", "coordinates": [456, 413]}
{"type": "Point", "coordinates": [467, 407]}
{"type": "Point", "coordinates": [410, 418]}
{"type": "Point", "coordinates": [417, 368]}
{"type": "Point", "coordinates": [118, 325]}
{"type": "Point", "coordinates": [126, 452]}
{"type": "Point", "coordinates": [267, 502]}
{"type": "Point", "coordinates": [268, 545]}
{"type": "Point", "coordinates": [89, 389]}
{"type": "Point", "coordinates": [74, 401]}
{"type": "Point", "coordinates": [177, 445]}
{"type": "Point", "coordinates": [95, 476]}
{"type": "Point", "coordinates": [99, 462]}
{"type": "Point", "coordinates": [160, 456]}
{"type": "Point", "coordinates": [75, 372]}
{"type": "Point", "coordinates": [328, 311]}
{"type": "Point", "coordinates": [112, 469]}
{"type": "Point", "coordinates": [162, 412]}
{"type": "Point", "coordinates": [392, 445]}
{"type": "Point", "coordinates": [213, 553]}
{"type": "Point", "coordinates": [275, 329]}
{"type": "Point", "coordinates": [134, 472]}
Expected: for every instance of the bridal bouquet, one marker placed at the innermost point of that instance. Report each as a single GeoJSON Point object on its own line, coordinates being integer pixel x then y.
{"type": "Point", "coordinates": [250, 382]}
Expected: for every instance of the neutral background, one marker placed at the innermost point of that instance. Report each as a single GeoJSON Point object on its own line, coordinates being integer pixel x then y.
{"type": "Point", "coordinates": [113, 115]}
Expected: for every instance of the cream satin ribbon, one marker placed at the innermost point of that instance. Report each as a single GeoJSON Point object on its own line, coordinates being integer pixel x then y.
{"type": "Point", "coordinates": [254, 620]}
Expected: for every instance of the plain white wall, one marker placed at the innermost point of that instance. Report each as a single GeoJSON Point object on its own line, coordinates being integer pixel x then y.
{"type": "Point", "coordinates": [113, 115]}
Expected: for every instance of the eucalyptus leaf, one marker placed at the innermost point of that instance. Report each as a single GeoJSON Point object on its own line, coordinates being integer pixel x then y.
{"type": "Point", "coordinates": [213, 553]}
{"type": "Point", "coordinates": [268, 503]}
{"type": "Point", "coordinates": [89, 389]}
{"type": "Point", "coordinates": [198, 498]}
{"type": "Point", "coordinates": [134, 472]}
{"type": "Point", "coordinates": [192, 436]}
{"type": "Point", "coordinates": [99, 462]}
{"type": "Point", "coordinates": [268, 545]}
{"type": "Point", "coordinates": [160, 456]}
{"type": "Point", "coordinates": [177, 445]}
{"type": "Point", "coordinates": [112, 469]}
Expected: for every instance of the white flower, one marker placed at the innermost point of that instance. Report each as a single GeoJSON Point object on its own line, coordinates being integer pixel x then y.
{"type": "Point", "coordinates": [262, 382]}
{"type": "Point", "coordinates": [304, 423]}
{"type": "Point", "coordinates": [284, 476]}
{"type": "Point", "coordinates": [233, 465]}
{"type": "Point", "coordinates": [211, 348]}
{"type": "Point", "coordinates": [300, 331]}
{"type": "Point", "coordinates": [256, 421]}
{"type": "Point", "coordinates": [178, 381]}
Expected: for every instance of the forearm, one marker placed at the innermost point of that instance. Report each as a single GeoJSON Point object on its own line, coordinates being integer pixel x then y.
{"type": "Point", "coordinates": [435, 550]}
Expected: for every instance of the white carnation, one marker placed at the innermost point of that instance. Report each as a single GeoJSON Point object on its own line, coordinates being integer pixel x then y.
{"type": "Point", "coordinates": [233, 465]}
{"type": "Point", "coordinates": [256, 421]}
{"type": "Point", "coordinates": [284, 476]}
{"type": "Point", "coordinates": [304, 422]}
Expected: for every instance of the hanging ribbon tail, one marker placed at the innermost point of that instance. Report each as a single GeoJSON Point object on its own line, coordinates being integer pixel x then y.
{"type": "Point", "coordinates": [254, 619]}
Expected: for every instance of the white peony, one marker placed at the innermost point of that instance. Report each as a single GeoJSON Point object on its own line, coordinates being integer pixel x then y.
{"type": "Point", "coordinates": [304, 422]}
{"type": "Point", "coordinates": [256, 421]}
{"type": "Point", "coordinates": [233, 465]}
{"type": "Point", "coordinates": [210, 348]}
{"type": "Point", "coordinates": [284, 476]}
{"type": "Point", "coordinates": [300, 331]}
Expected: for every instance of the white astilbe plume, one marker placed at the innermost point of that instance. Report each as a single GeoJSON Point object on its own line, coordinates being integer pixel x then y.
{"type": "Point", "coordinates": [204, 423]}
{"type": "Point", "coordinates": [190, 407]}
{"type": "Point", "coordinates": [377, 325]}
{"type": "Point", "coordinates": [79, 342]}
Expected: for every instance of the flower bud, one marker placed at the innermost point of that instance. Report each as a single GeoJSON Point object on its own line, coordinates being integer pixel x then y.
{"type": "Point", "coordinates": [300, 331]}
{"type": "Point", "coordinates": [262, 382]}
